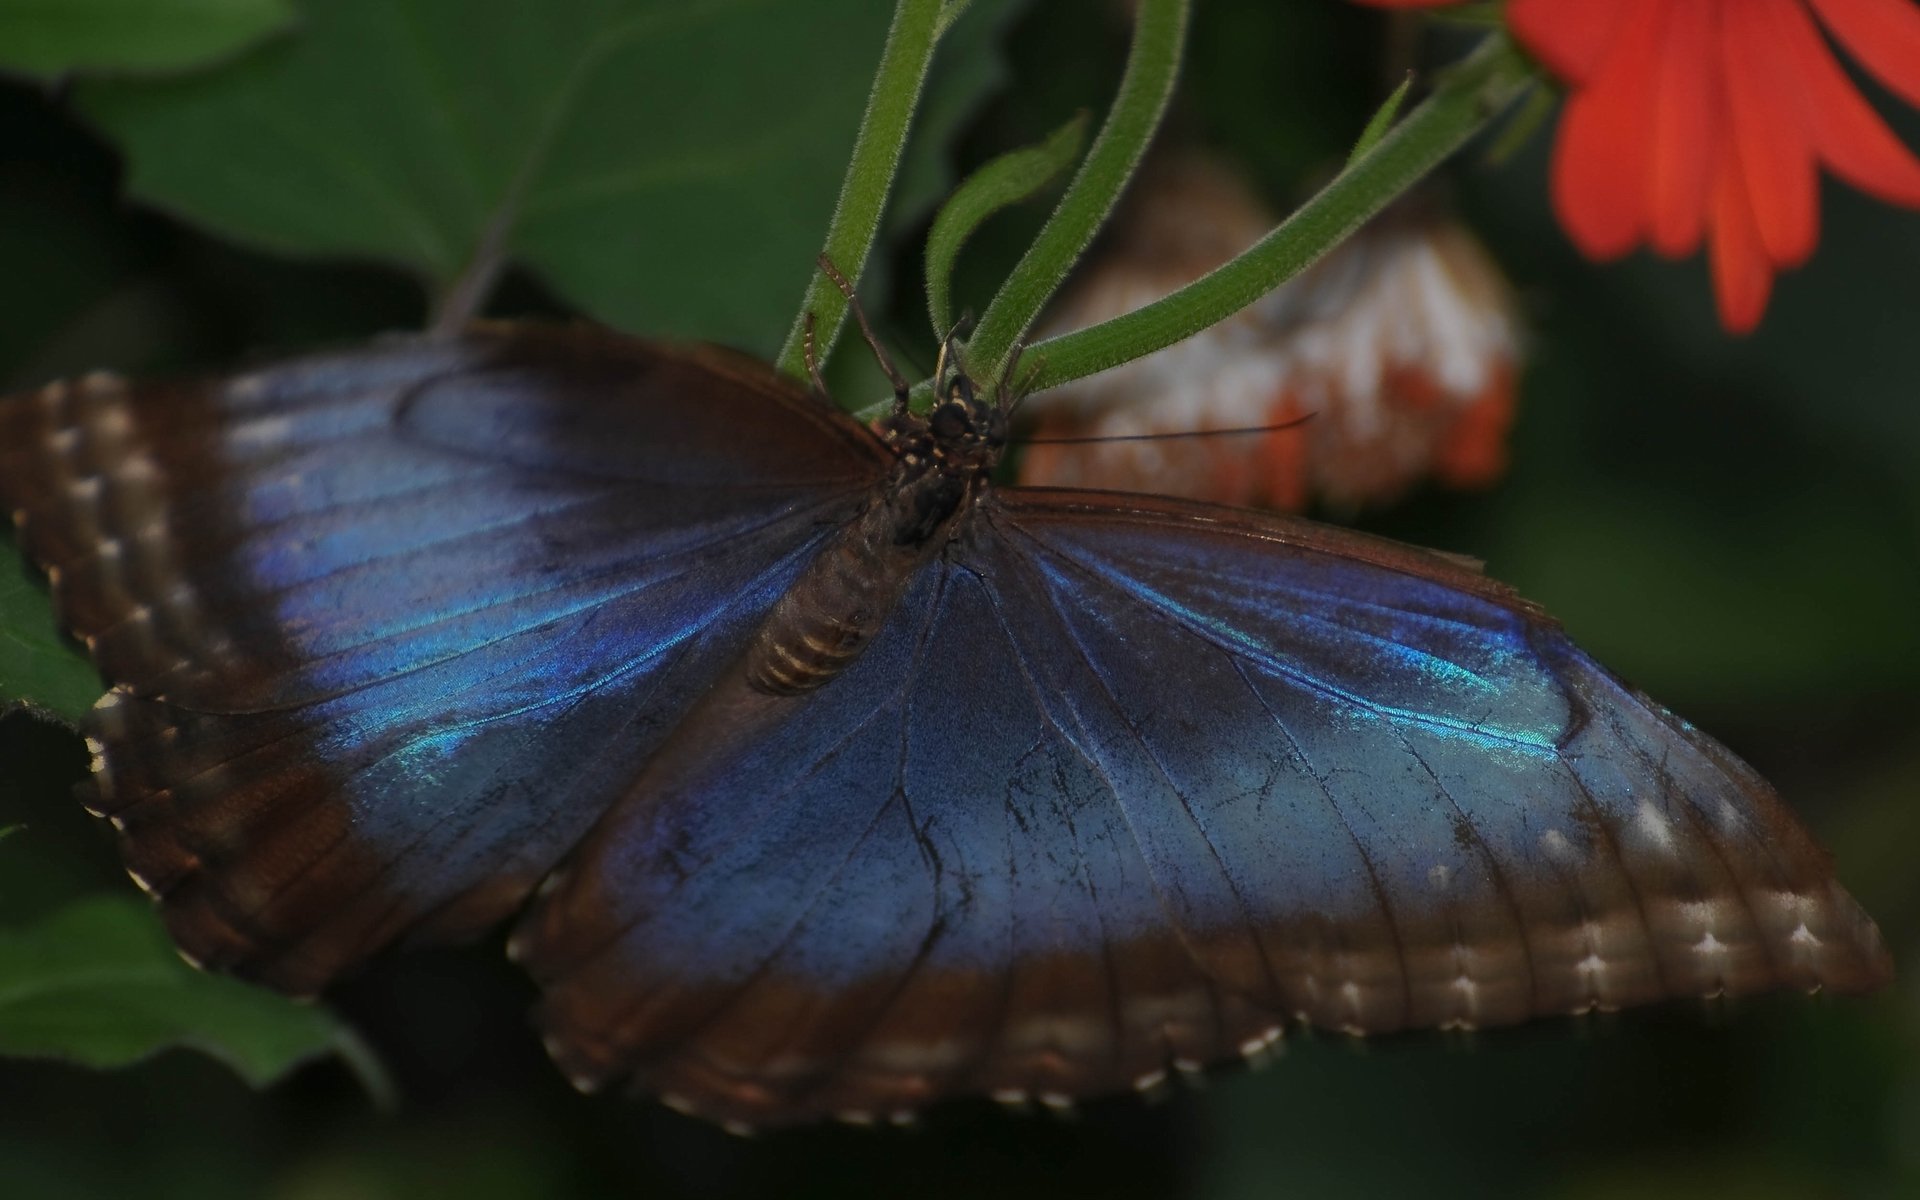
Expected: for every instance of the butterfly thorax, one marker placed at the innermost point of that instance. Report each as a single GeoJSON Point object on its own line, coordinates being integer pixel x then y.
{"type": "Point", "coordinates": [942, 462]}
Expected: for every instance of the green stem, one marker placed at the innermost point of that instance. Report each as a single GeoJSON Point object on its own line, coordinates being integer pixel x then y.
{"type": "Point", "coordinates": [1152, 66]}
{"type": "Point", "coordinates": [1009, 179]}
{"type": "Point", "coordinates": [1467, 99]}
{"type": "Point", "coordinates": [953, 11]}
{"type": "Point", "coordinates": [1470, 97]}
{"type": "Point", "coordinates": [863, 194]}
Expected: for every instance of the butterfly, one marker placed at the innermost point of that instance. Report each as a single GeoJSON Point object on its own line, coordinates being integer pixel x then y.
{"type": "Point", "coordinates": [830, 778]}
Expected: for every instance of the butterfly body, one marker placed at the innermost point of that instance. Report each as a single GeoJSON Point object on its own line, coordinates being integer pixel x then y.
{"type": "Point", "coordinates": [855, 781]}
{"type": "Point", "coordinates": [942, 464]}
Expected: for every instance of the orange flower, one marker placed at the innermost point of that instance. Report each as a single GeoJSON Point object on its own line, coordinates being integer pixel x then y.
{"type": "Point", "coordinates": [1401, 346]}
{"type": "Point", "coordinates": [1709, 120]}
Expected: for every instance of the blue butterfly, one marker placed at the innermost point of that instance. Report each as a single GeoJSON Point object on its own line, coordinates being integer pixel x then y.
{"type": "Point", "coordinates": [848, 780]}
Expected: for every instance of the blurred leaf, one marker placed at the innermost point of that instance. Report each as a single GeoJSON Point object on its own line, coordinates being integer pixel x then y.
{"type": "Point", "coordinates": [666, 167]}
{"type": "Point", "coordinates": [485, 1157]}
{"type": "Point", "coordinates": [53, 37]}
{"type": "Point", "coordinates": [98, 983]}
{"type": "Point", "coordinates": [968, 67]}
{"type": "Point", "coordinates": [1279, 86]}
{"type": "Point", "coordinates": [1712, 613]}
{"type": "Point", "coordinates": [37, 664]}
{"type": "Point", "coordinates": [71, 253]}
{"type": "Point", "coordinates": [1678, 1177]}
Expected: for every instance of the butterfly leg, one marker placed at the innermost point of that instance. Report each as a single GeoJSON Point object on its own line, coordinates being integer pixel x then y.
{"type": "Point", "coordinates": [901, 388]}
{"type": "Point", "coordinates": [810, 353]}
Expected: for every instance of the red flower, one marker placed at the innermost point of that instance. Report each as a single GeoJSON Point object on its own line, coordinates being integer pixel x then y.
{"type": "Point", "coordinates": [1709, 120]}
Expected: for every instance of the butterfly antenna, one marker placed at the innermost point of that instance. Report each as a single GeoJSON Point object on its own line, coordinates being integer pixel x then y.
{"type": "Point", "coordinates": [949, 358]}
{"type": "Point", "coordinates": [1103, 439]}
{"type": "Point", "coordinates": [950, 349]}
{"type": "Point", "coordinates": [1013, 390]}
{"type": "Point", "coordinates": [901, 387]}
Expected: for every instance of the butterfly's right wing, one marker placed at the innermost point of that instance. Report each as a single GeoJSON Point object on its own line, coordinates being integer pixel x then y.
{"type": "Point", "coordinates": [1125, 784]}
{"type": "Point", "coordinates": [1380, 791]}
{"type": "Point", "coordinates": [387, 629]}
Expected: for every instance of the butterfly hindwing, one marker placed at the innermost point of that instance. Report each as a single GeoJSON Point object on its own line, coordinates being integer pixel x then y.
{"type": "Point", "coordinates": [903, 884]}
{"type": "Point", "coordinates": [389, 629]}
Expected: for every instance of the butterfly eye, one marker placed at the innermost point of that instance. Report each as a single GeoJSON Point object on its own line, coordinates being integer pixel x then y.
{"type": "Point", "coordinates": [950, 421]}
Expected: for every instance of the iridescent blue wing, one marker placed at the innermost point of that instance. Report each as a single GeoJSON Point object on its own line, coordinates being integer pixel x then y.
{"type": "Point", "coordinates": [388, 629]}
{"type": "Point", "coordinates": [1126, 784]}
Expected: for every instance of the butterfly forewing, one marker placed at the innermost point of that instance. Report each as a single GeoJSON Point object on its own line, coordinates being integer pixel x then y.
{"type": "Point", "coordinates": [390, 628]}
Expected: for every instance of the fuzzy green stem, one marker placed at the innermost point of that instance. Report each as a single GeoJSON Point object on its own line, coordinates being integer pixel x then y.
{"type": "Point", "coordinates": [1381, 121]}
{"type": "Point", "coordinates": [953, 11]}
{"type": "Point", "coordinates": [1153, 64]}
{"type": "Point", "coordinates": [1468, 98]}
{"type": "Point", "coordinates": [1007, 180]}
{"type": "Point", "coordinates": [863, 194]}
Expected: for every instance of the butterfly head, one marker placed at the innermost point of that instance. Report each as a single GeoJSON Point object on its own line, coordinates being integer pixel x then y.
{"type": "Point", "coordinates": [962, 436]}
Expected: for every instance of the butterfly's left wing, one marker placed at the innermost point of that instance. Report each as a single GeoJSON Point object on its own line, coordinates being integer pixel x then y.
{"type": "Point", "coordinates": [1126, 784]}
{"type": "Point", "coordinates": [389, 627]}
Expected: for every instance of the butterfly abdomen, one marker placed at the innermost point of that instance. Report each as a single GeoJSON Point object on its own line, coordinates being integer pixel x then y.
{"type": "Point", "coordinates": [846, 595]}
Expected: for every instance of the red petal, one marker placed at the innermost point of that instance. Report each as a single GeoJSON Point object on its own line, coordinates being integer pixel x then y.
{"type": "Point", "coordinates": [1572, 40]}
{"type": "Point", "coordinates": [1742, 275]}
{"type": "Point", "coordinates": [1685, 122]}
{"type": "Point", "coordinates": [1884, 35]}
{"type": "Point", "coordinates": [1849, 136]}
{"type": "Point", "coordinates": [1599, 183]}
{"type": "Point", "coordinates": [1769, 132]}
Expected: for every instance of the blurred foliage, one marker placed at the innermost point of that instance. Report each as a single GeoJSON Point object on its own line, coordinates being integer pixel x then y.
{"type": "Point", "coordinates": [99, 983]}
{"type": "Point", "coordinates": [131, 35]}
{"type": "Point", "coordinates": [653, 161]}
{"type": "Point", "coordinates": [1734, 525]}
{"type": "Point", "coordinates": [35, 660]}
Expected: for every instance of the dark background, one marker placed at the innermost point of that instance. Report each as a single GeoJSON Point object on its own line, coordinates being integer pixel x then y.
{"type": "Point", "coordinates": [1732, 524]}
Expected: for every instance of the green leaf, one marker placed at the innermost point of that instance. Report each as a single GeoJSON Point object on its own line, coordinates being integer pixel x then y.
{"type": "Point", "coordinates": [98, 983]}
{"type": "Point", "coordinates": [1013, 177]}
{"type": "Point", "coordinates": [54, 37]}
{"type": "Point", "coordinates": [38, 665]}
{"type": "Point", "coordinates": [1381, 121]}
{"type": "Point", "coordinates": [665, 166]}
